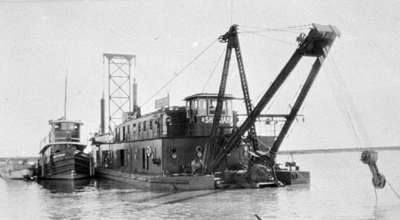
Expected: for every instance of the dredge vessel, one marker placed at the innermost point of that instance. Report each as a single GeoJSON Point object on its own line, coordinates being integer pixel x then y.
{"type": "Point", "coordinates": [201, 145]}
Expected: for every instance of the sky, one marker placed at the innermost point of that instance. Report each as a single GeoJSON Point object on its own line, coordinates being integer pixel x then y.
{"type": "Point", "coordinates": [42, 41]}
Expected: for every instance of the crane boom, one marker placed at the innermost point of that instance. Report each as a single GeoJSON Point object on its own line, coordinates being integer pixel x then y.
{"type": "Point", "coordinates": [232, 40]}
{"type": "Point", "coordinates": [316, 44]}
{"type": "Point", "coordinates": [245, 89]}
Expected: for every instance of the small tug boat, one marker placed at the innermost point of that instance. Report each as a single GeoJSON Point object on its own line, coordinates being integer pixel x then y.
{"type": "Point", "coordinates": [63, 156]}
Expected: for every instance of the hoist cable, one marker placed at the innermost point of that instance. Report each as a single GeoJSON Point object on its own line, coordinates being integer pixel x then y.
{"type": "Point", "coordinates": [345, 103]}
{"type": "Point", "coordinates": [176, 74]}
{"type": "Point", "coordinates": [356, 131]}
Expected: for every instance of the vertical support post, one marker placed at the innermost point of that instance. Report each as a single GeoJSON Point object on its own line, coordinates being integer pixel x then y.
{"type": "Point", "coordinates": [102, 115]}
{"type": "Point", "coordinates": [65, 97]}
{"type": "Point", "coordinates": [245, 89]}
{"type": "Point", "coordinates": [129, 86]}
{"type": "Point", "coordinates": [109, 97]}
{"type": "Point", "coordinates": [119, 87]}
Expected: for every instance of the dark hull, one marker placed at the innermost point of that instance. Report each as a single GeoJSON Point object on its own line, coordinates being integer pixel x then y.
{"type": "Point", "coordinates": [67, 167]}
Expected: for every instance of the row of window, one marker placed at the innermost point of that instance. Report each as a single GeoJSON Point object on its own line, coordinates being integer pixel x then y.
{"type": "Point", "coordinates": [124, 132]}
{"type": "Point", "coordinates": [203, 107]}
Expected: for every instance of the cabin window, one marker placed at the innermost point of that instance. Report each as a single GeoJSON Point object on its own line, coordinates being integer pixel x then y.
{"type": "Point", "coordinates": [194, 105]}
{"type": "Point", "coordinates": [123, 133]}
{"type": "Point", "coordinates": [133, 129]}
{"type": "Point", "coordinates": [212, 104]}
{"type": "Point", "coordinates": [67, 126]}
{"type": "Point", "coordinates": [122, 157]}
{"type": "Point", "coordinates": [202, 110]}
{"type": "Point", "coordinates": [188, 109]}
{"type": "Point", "coordinates": [143, 158]}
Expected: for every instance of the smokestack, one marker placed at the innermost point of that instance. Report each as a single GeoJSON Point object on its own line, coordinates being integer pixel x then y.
{"type": "Point", "coordinates": [102, 115]}
{"type": "Point", "coordinates": [134, 95]}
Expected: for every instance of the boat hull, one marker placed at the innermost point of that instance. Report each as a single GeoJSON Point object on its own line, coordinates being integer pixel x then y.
{"type": "Point", "coordinates": [159, 182]}
{"type": "Point", "coordinates": [67, 167]}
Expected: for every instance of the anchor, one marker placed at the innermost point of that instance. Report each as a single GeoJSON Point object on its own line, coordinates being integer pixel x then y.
{"type": "Point", "coordinates": [370, 157]}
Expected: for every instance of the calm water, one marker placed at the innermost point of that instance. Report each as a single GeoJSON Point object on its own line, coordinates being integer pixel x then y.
{"type": "Point", "coordinates": [340, 189]}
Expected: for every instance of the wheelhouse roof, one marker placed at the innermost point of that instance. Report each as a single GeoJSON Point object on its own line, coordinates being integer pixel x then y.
{"type": "Point", "coordinates": [208, 95]}
{"type": "Point", "coordinates": [65, 121]}
{"type": "Point", "coordinates": [57, 143]}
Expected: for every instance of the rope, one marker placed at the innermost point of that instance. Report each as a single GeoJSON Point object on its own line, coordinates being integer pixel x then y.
{"type": "Point", "coordinates": [212, 72]}
{"type": "Point", "coordinates": [392, 188]}
{"type": "Point", "coordinates": [176, 74]}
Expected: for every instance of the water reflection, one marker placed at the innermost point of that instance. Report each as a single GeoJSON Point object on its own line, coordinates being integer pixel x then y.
{"type": "Point", "coordinates": [66, 186]}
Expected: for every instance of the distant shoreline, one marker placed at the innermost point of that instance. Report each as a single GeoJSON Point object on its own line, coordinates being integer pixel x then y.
{"type": "Point", "coordinates": [17, 158]}
{"type": "Point", "coordinates": [284, 152]}
{"type": "Point", "coordinates": [339, 150]}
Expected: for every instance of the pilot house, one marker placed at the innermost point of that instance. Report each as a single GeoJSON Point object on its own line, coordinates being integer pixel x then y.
{"type": "Point", "coordinates": [165, 141]}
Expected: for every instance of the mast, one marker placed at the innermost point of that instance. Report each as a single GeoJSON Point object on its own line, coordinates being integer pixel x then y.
{"type": "Point", "coordinates": [65, 97]}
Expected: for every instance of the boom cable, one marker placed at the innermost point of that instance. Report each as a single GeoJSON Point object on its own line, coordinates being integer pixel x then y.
{"type": "Point", "coordinates": [212, 72]}
{"type": "Point", "coordinates": [285, 28]}
{"type": "Point", "coordinates": [271, 38]}
{"type": "Point", "coordinates": [176, 74]}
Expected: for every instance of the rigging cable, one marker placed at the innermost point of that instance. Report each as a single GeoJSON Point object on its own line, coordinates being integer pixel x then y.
{"type": "Point", "coordinates": [293, 27]}
{"type": "Point", "coordinates": [176, 74]}
{"type": "Point", "coordinates": [271, 38]}
{"type": "Point", "coordinates": [353, 27]}
{"type": "Point", "coordinates": [392, 188]}
{"type": "Point", "coordinates": [345, 101]}
{"type": "Point", "coordinates": [363, 133]}
{"type": "Point", "coordinates": [212, 72]}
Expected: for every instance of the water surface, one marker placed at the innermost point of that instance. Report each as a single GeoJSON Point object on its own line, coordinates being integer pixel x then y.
{"type": "Point", "coordinates": [340, 188]}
